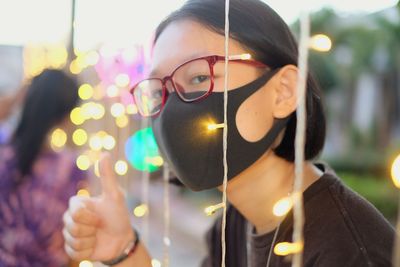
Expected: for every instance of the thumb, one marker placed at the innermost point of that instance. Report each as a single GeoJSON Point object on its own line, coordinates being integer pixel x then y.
{"type": "Point", "coordinates": [108, 178]}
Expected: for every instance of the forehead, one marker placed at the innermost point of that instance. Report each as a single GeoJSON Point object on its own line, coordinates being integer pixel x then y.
{"type": "Point", "coordinates": [184, 40]}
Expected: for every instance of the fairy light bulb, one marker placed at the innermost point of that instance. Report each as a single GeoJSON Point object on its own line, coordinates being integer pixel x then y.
{"type": "Point", "coordinates": [213, 126]}
{"type": "Point", "coordinates": [395, 171]}
{"type": "Point", "coordinates": [210, 210]}
{"type": "Point", "coordinates": [321, 43]}
{"type": "Point", "coordinates": [287, 248]}
{"type": "Point", "coordinates": [156, 161]}
{"type": "Point", "coordinates": [282, 207]}
{"type": "Point", "coordinates": [245, 56]}
{"type": "Point", "coordinates": [140, 210]}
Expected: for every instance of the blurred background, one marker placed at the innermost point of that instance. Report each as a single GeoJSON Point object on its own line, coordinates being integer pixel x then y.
{"type": "Point", "coordinates": [355, 55]}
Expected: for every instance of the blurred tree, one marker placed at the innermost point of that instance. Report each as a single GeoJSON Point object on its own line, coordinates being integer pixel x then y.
{"type": "Point", "coordinates": [362, 45]}
{"type": "Point", "coordinates": [390, 74]}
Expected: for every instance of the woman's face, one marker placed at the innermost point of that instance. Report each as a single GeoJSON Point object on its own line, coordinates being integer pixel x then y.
{"type": "Point", "coordinates": [185, 40]}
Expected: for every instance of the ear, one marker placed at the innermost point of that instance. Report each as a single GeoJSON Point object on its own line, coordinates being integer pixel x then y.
{"type": "Point", "coordinates": [285, 91]}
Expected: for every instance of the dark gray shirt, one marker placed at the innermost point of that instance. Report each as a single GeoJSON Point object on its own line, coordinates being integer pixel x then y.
{"type": "Point", "coordinates": [341, 229]}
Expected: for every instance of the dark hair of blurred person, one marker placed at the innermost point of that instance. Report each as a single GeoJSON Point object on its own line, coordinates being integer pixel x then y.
{"type": "Point", "coordinates": [51, 97]}
{"type": "Point", "coordinates": [36, 182]}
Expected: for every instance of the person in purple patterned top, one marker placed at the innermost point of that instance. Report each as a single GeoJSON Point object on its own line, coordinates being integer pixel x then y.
{"type": "Point", "coordinates": [36, 182]}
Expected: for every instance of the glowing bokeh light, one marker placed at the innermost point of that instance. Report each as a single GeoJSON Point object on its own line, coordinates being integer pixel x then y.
{"type": "Point", "coordinates": [282, 207]}
{"type": "Point", "coordinates": [39, 57]}
{"type": "Point", "coordinates": [155, 263]}
{"type": "Point", "coordinates": [76, 116]}
{"type": "Point", "coordinates": [122, 121]}
{"type": "Point", "coordinates": [89, 110]}
{"type": "Point", "coordinates": [321, 43]}
{"type": "Point", "coordinates": [95, 143]}
{"type": "Point", "coordinates": [287, 248]}
{"type": "Point", "coordinates": [122, 80]}
{"type": "Point", "coordinates": [213, 126]}
{"type": "Point", "coordinates": [156, 161]}
{"type": "Point", "coordinates": [121, 167]}
{"type": "Point", "coordinates": [117, 110]}
{"type": "Point", "coordinates": [79, 137]}
{"type": "Point", "coordinates": [98, 112]}
{"type": "Point", "coordinates": [85, 264]}
{"type": "Point", "coordinates": [395, 171]}
{"type": "Point", "coordinates": [92, 58]}
{"type": "Point", "coordinates": [108, 142]}
{"type": "Point", "coordinates": [74, 68]}
{"type": "Point", "coordinates": [85, 91]}
{"type": "Point", "coordinates": [83, 162]}
{"type": "Point", "coordinates": [112, 91]}
{"type": "Point", "coordinates": [58, 138]}
{"type": "Point", "coordinates": [83, 193]}
{"type": "Point", "coordinates": [131, 109]}
{"type": "Point", "coordinates": [140, 210]}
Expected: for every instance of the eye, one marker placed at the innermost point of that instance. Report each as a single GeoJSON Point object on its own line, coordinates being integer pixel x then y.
{"type": "Point", "coordinates": [200, 79]}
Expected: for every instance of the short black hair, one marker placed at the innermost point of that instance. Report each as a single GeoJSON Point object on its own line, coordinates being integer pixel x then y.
{"type": "Point", "coordinates": [260, 29]}
{"type": "Point", "coordinates": [50, 98]}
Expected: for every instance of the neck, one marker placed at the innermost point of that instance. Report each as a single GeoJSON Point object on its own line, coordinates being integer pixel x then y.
{"type": "Point", "coordinates": [255, 191]}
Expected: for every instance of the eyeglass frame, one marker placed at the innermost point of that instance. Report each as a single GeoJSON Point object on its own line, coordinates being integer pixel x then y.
{"type": "Point", "coordinates": [211, 60]}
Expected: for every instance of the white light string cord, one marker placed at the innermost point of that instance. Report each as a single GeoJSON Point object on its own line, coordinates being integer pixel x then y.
{"type": "Point", "coordinates": [145, 196]}
{"type": "Point", "coordinates": [225, 135]}
{"type": "Point", "coordinates": [167, 217]}
{"type": "Point", "coordinates": [396, 248]}
{"type": "Point", "coordinates": [298, 209]}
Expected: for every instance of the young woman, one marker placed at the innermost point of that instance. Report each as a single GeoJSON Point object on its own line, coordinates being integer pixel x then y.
{"type": "Point", "coordinates": [35, 182]}
{"type": "Point", "coordinates": [183, 95]}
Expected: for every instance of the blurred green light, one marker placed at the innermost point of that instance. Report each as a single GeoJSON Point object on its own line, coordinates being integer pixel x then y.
{"type": "Point", "coordinates": [140, 148]}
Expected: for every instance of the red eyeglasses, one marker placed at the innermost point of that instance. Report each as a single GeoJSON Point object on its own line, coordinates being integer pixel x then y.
{"type": "Point", "coordinates": [192, 81]}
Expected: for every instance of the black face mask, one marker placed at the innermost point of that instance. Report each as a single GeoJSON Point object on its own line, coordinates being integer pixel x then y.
{"type": "Point", "coordinates": [194, 152]}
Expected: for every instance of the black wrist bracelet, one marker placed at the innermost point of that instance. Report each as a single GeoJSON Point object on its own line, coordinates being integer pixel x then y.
{"type": "Point", "coordinates": [130, 249]}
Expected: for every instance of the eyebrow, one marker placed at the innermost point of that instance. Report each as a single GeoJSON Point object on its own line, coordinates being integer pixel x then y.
{"type": "Point", "coordinates": [155, 72]}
